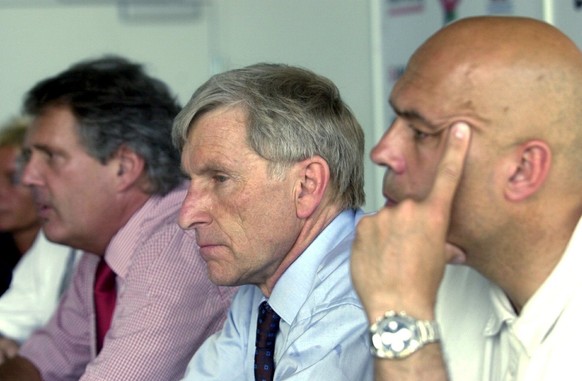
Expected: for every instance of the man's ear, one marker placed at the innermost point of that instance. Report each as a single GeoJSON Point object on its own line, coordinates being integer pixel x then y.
{"type": "Point", "coordinates": [130, 167]}
{"type": "Point", "coordinates": [532, 162]}
{"type": "Point", "coordinates": [311, 185]}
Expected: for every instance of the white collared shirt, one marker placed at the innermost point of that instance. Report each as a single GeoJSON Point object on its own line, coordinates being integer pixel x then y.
{"type": "Point", "coordinates": [484, 339]}
{"type": "Point", "coordinates": [38, 282]}
{"type": "Point", "coordinates": [323, 328]}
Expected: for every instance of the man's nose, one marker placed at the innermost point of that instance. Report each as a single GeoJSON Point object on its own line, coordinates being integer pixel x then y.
{"type": "Point", "coordinates": [389, 150]}
{"type": "Point", "coordinates": [194, 210]}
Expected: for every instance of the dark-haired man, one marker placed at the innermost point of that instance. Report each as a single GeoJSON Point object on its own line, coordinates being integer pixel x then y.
{"type": "Point", "coordinates": [107, 180]}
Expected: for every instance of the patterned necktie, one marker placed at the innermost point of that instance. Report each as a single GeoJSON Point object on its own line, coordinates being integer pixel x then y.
{"type": "Point", "coordinates": [267, 328]}
{"type": "Point", "coordinates": [104, 295]}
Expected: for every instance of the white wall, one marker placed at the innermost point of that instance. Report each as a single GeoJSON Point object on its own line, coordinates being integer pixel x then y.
{"type": "Point", "coordinates": [348, 41]}
{"type": "Point", "coordinates": [331, 37]}
{"type": "Point", "coordinates": [39, 41]}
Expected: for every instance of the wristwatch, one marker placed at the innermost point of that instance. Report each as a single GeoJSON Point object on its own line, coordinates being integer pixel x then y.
{"type": "Point", "coordinates": [397, 335]}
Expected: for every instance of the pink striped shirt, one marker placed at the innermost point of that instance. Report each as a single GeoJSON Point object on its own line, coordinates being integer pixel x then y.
{"type": "Point", "coordinates": [166, 306]}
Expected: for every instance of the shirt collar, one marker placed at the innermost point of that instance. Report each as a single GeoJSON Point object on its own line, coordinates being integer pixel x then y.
{"type": "Point", "coordinates": [296, 283]}
{"type": "Point", "coordinates": [544, 308]}
{"type": "Point", "coordinates": [124, 243]}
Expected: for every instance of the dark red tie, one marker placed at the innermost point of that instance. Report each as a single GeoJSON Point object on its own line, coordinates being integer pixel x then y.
{"type": "Point", "coordinates": [267, 328]}
{"type": "Point", "coordinates": [104, 295]}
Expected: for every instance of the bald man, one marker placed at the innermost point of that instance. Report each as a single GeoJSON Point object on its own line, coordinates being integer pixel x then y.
{"type": "Point", "coordinates": [484, 168]}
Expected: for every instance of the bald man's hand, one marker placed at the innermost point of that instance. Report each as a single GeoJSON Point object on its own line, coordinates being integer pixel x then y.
{"type": "Point", "coordinates": [399, 254]}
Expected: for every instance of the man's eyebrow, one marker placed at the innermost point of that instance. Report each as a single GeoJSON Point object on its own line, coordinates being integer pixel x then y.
{"type": "Point", "coordinates": [40, 147]}
{"type": "Point", "coordinates": [411, 115]}
{"type": "Point", "coordinates": [210, 167]}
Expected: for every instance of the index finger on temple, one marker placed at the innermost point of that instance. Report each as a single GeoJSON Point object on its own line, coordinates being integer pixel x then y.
{"type": "Point", "coordinates": [451, 165]}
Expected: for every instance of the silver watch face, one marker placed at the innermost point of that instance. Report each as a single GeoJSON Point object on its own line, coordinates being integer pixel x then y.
{"type": "Point", "coordinates": [395, 336]}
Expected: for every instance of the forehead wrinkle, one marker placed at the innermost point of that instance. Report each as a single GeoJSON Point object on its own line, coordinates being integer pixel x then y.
{"type": "Point", "coordinates": [202, 158]}
{"type": "Point", "coordinates": [416, 116]}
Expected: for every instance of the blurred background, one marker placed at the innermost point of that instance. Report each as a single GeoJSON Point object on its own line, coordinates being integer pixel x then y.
{"type": "Point", "coordinates": [362, 45]}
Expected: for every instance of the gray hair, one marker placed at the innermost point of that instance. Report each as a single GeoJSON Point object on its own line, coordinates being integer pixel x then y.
{"type": "Point", "coordinates": [292, 114]}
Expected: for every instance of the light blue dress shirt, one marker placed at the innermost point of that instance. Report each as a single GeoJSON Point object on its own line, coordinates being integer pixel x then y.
{"type": "Point", "coordinates": [323, 329]}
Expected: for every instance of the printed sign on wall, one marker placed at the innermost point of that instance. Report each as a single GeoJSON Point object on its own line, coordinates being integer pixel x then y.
{"type": "Point", "coordinates": [450, 10]}
{"type": "Point", "coordinates": [403, 7]}
{"type": "Point", "coordinates": [500, 7]}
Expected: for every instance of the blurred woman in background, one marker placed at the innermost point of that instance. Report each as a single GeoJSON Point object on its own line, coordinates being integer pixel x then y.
{"type": "Point", "coordinates": [19, 223]}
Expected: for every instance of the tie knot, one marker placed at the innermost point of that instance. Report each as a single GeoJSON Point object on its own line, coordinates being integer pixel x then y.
{"type": "Point", "coordinates": [267, 326]}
